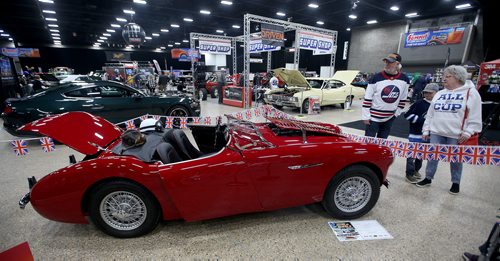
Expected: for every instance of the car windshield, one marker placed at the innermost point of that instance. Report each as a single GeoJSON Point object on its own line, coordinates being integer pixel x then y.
{"type": "Point", "coordinates": [315, 84]}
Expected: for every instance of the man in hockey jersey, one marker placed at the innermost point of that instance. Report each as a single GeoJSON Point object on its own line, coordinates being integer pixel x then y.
{"type": "Point", "coordinates": [448, 123]}
{"type": "Point", "coordinates": [385, 98]}
{"type": "Point", "coordinates": [416, 116]}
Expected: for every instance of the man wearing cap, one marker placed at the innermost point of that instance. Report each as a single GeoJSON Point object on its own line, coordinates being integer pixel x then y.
{"type": "Point", "coordinates": [385, 98]}
{"type": "Point", "coordinates": [416, 116]}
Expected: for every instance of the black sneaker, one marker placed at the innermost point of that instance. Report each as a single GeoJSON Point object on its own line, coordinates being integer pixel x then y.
{"type": "Point", "coordinates": [470, 257]}
{"type": "Point", "coordinates": [455, 188]}
{"type": "Point", "coordinates": [411, 179]}
{"type": "Point", "coordinates": [424, 183]}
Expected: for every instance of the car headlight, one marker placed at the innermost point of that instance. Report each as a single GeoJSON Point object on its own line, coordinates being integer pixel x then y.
{"type": "Point", "coordinates": [269, 96]}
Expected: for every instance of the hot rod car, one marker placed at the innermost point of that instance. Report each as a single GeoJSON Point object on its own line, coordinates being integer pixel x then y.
{"type": "Point", "coordinates": [238, 167]}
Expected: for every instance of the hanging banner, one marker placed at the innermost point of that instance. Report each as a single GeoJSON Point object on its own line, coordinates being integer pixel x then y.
{"type": "Point", "coordinates": [215, 46]}
{"type": "Point", "coordinates": [256, 46]}
{"type": "Point", "coordinates": [272, 34]}
{"type": "Point", "coordinates": [117, 56]}
{"type": "Point", "coordinates": [451, 35]}
{"type": "Point", "coordinates": [21, 52]}
{"type": "Point", "coordinates": [319, 43]}
{"type": "Point", "coordinates": [185, 54]}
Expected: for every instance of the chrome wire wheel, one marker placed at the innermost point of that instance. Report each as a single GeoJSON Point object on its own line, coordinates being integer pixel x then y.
{"type": "Point", "coordinates": [123, 210]}
{"type": "Point", "coordinates": [178, 111]}
{"type": "Point", "coordinates": [353, 194]}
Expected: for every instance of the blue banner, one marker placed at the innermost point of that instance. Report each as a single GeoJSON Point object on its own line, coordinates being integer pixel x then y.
{"type": "Point", "coordinates": [451, 35]}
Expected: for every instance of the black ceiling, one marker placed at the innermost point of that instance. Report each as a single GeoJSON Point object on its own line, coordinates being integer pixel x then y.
{"type": "Point", "coordinates": [82, 22]}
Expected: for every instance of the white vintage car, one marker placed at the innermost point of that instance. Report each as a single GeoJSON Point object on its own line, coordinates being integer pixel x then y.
{"type": "Point", "coordinates": [330, 91]}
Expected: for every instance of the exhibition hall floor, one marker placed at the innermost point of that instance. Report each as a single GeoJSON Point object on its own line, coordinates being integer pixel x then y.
{"type": "Point", "coordinates": [426, 223]}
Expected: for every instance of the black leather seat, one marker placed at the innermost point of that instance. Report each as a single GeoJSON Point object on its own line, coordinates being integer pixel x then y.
{"type": "Point", "coordinates": [167, 153]}
{"type": "Point", "coordinates": [182, 145]}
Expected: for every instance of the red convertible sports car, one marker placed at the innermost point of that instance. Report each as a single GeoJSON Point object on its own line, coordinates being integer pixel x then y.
{"type": "Point", "coordinates": [240, 167]}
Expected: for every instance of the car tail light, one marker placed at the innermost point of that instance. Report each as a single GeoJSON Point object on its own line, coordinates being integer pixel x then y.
{"type": "Point", "coordinates": [8, 109]}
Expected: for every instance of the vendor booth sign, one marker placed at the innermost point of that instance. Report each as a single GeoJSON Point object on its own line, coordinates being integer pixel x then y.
{"type": "Point", "coordinates": [319, 43]}
{"type": "Point", "coordinates": [256, 46]}
{"type": "Point", "coordinates": [451, 35]}
{"type": "Point", "coordinates": [21, 52]}
{"type": "Point", "coordinates": [215, 46]}
{"type": "Point", "coordinates": [272, 34]}
{"type": "Point", "coordinates": [185, 54]}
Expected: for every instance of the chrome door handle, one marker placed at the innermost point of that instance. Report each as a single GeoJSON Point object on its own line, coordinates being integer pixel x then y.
{"type": "Point", "coordinates": [297, 167]}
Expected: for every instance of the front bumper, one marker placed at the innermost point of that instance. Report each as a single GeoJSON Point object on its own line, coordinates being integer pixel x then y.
{"type": "Point", "coordinates": [280, 100]}
{"type": "Point", "coordinates": [26, 198]}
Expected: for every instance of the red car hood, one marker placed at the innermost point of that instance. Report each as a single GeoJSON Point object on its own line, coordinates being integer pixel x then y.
{"type": "Point", "coordinates": [78, 130]}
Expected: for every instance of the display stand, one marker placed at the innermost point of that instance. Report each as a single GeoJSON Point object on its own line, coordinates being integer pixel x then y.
{"type": "Point", "coordinates": [236, 96]}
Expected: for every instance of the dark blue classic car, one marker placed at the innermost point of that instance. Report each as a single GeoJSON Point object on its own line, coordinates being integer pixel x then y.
{"type": "Point", "coordinates": [113, 101]}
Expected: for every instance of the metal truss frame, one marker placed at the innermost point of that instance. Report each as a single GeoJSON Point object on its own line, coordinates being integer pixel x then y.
{"type": "Point", "coordinates": [289, 26]}
{"type": "Point", "coordinates": [195, 36]}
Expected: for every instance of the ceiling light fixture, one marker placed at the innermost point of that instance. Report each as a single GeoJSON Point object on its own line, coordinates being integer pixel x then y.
{"type": "Point", "coordinates": [371, 22]}
{"type": "Point", "coordinates": [106, 34]}
{"type": "Point", "coordinates": [142, 2]}
{"type": "Point", "coordinates": [54, 30]}
{"type": "Point", "coordinates": [100, 41]}
{"type": "Point", "coordinates": [219, 31]}
{"type": "Point", "coordinates": [110, 30]}
{"type": "Point", "coordinates": [236, 26]}
{"type": "Point", "coordinates": [51, 19]}
{"type": "Point", "coordinates": [188, 19]}
{"type": "Point", "coordinates": [185, 41]}
{"type": "Point", "coordinates": [177, 43]}
{"type": "Point", "coordinates": [148, 37]}
{"type": "Point", "coordinates": [163, 47]}
{"type": "Point", "coordinates": [352, 16]}
{"type": "Point", "coordinates": [10, 39]}
{"type": "Point", "coordinates": [463, 6]}
{"type": "Point", "coordinates": [129, 11]}
{"type": "Point", "coordinates": [320, 22]}
{"type": "Point", "coordinates": [394, 8]}
{"type": "Point", "coordinates": [5, 35]}
{"type": "Point", "coordinates": [313, 5]}
{"type": "Point", "coordinates": [175, 25]}
{"type": "Point", "coordinates": [119, 19]}
{"type": "Point", "coordinates": [56, 37]}
{"type": "Point", "coordinates": [115, 25]}
{"type": "Point", "coordinates": [53, 25]}
{"type": "Point", "coordinates": [348, 29]}
{"type": "Point", "coordinates": [103, 37]}
{"type": "Point", "coordinates": [49, 11]}
{"type": "Point", "coordinates": [164, 30]}
{"type": "Point", "coordinates": [170, 45]}
{"type": "Point", "coordinates": [155, 34]}
{"type": "Point", "coordinates": [205, 12]}
{"type": "Point", "coordinates": [226, 2]}
{"type": "Point", "coordinates": [55, 34]}
{"type": "Point", "coordinates": [280, 14]}
{"type": "Point", "coordinates": [411, 15]}
{"type": "Point", "coordinates": [46, 1]}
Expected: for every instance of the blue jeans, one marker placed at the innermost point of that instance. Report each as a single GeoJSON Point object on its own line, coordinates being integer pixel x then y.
{"type": "Point", "coordinates": [379, 129]}
{"type": "Point", "coordinates": [455, 167]}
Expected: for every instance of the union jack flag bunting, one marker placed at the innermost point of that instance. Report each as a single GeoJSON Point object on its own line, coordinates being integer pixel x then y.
{"type": "Point", "coordinates": [493, 156]}
{"type": "Point", "coordinates": [383, 142]}
{"type": "Point", "coordinates": [410, 152]}
{"type": "Point", "coordinates": [183, 122]}
{"type": "Point", "coordinates": [421, 151]}
{"type": "Point", "coordinates": [481, 155]}
{"type": "Point", "coordinates": [47, 144]}
{"type": "Point", "coordinates": [144, 117]}
{"type": "Point", "coordinates": [248, 114]}
{"type": "Point", "coordinates": [432, 152]}
{"type": "Point", "coordinates": [444, 153]}
{"type": "Point", "coordinates": [239, 115]}
{"type": "Point", "coordinates": [196, 120]}
{"type": "Point", "coordinates": [469, 154]}
{"type": "Point", "coordinates": [208, 121]}
{"type": "Point", "coordinates": [130, 125]}
{"type": "Point", "coordinates": [20, 147]}
{"type": "Point", "coordinates": [257, 112]}
{"type": "Point", "coordinates": [156, 117]}
{"type": "Point", "coordinates": [169, 122]}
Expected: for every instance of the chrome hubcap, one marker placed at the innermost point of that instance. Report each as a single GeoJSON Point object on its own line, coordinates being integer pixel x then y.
{"type": "Point", "coordinates": [353, 194]}
{"type": "Point", "coordinates": [178, 112]}
{"type": "Point", "coordinates": [123, 210]}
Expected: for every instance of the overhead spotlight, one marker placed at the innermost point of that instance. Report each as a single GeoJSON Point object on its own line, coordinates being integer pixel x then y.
{"type": "Point", "coordinates": [54, 30]}
{"type": "Point", "coordinates": [148, 37]}
{"type": "Point", "coordinates": [313, 5]}
{"type": "Point", "coordinates": [119, 19]}
{"type": "Point", "coordinates": [55, 34]}
{"type": "Point", "coordinates": [5, 35]}
{"type": "Point", "coordinates": [10, 39]}
{"type": "Point", "coordinates": [170, 45]}
{"type": "Point", "coordinates": [188, 19]}
{"type": "Point", "coordinates": [226, 2]}
{"type": "Point", "coordinates": [320, 22]}
{"type": "Point", "coordinates": [155, 34]}
{"type": "Point", "coordinates": [220, 31]}
{"type": "Point", "coordinates": [103, 37]}
{"type": "Point", "coordinates": [177, 43]}
{"type": "Point", "coordinates": [46, 1]}
{"type": "Point", "coordinates": [175, 25]}
{"type": "Point", "coordinates": [106, 34]}
{"type": "Point", "coordinates": [110, 30]}
{"type": "Point", "coordinates": [129, 11]}
{"type": "Point", "coordinates": [100, 41]}
{"type": "Point", "coordinates": [163, 47]}
{"type": "Point", "coordinates": [371, 22]}
{"type": "Point", "coordinates": [51, 19]}
{"type": "Point", "coordinates": [49, 11]}
{"type": "Point", "coordinates": [463, 6]}
{"type": "Point", "coordinates": [280, 14]}
{"type": "Point", "coordinates": [353, 16]}
{"type": "Point", "coordinates": [164, 30]}
{"type": "Point", "coordinates": [410, 15]}
{"type": "Point", "coordinates": [142, 2]}
{"type": "Point", "coordinates": [205, 12]}
{"type": "Point", "coordinates": [236, 26]}
{"type": "Point", "coordinates": [53, 25]}
{"type": "Point", "coordinates": [394, 8]}
{"type": "Point", "coordinates": [348, 29]}
{"type": "Point", "coordinates": [115, 25]}
{"type": "Point", "coordinates": [185, 41]}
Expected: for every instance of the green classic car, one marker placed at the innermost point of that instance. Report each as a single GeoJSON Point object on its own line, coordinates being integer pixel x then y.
{"type": "Point", "coordinates": [113, 101]}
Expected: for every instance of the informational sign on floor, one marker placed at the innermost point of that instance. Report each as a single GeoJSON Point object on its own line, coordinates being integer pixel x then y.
{"type": "Point", "coordinates": [359, 230]}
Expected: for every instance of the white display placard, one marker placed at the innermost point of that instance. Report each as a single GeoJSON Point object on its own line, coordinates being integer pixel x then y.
{"type": "Point", "coordinates": [214, 46]}
{"type": "Point", "coordinates": [256, 46]}
{"type": "Point", "coordinates": [359, 230]}
{"type": "Point", "coordinates": [319, 43]}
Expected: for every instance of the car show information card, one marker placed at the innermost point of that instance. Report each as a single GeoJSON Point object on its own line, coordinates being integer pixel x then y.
{"type": "Point", "coordinates": [359, 230]}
